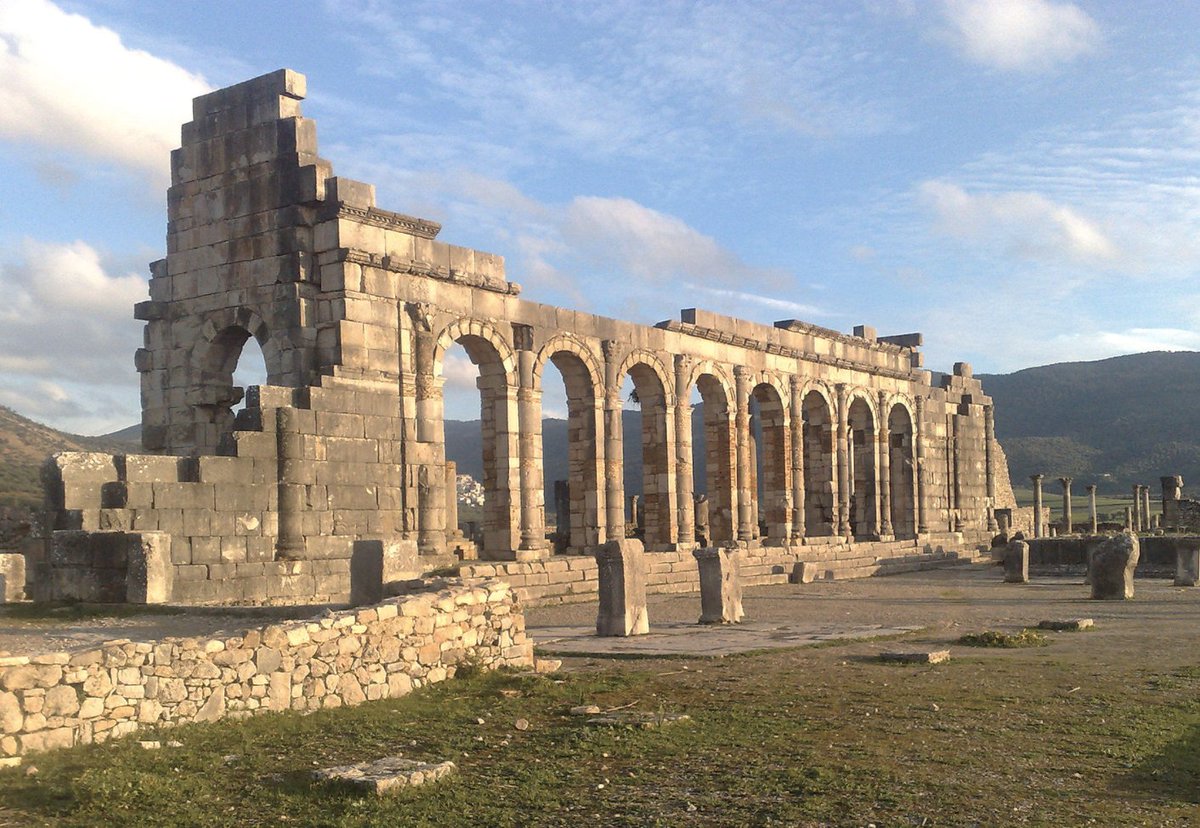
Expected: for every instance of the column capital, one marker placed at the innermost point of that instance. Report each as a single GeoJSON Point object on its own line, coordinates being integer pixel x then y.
{"type": "Point", "coordinates": [1037, 478]}
{"type": "Point", "coordinates": [1066, 481]}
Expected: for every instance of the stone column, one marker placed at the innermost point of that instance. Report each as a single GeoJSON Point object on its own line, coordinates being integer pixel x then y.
{"type": "Point", "coordinates": [621, 569]}
{"type": "Point", "coordinates": [614, 459]}
{"type": "Point", "coordinates": [797, 426]}
{"type": "Point", "coordinates": [1137, 508]}
{"type": "Point", "coordinates": [1016, 562]}
{"type": "Point", "coordinates": [741, 382]}
{"type": "Point", "coordinates": [452, 500]}
{"type": "Point", "coordinates": [720, 586]}
{"type": "Point", "coordinates": [919, 462]}
{"type": "Point", "coordinates": [1171, 494]}
{"type": "Point", "coordinates": [529, 419]}
{"type": "Point", "coordinates": [989, 437]}
{"type": "Point", "coordinates": [885, 464]}
{"type": "Point", "coordinates": [842, 446]}
{"type": "Point", "coordinates": [1094, 522]}
{"type": "Point", "coordinates": [289, 464]}
{"type": "Point", "coordinates": [956, 448]}
{"type": "Point", "coordinates": [1129, 521]}
{"type": "Point", "coordinates": [1037, 504]}
{"type": "Point", "coordinates": [1146, 508]}
{"type": "Point", "coordinates": [1067, 519]}
{"type": "Point", "coordinates": [683, 452]}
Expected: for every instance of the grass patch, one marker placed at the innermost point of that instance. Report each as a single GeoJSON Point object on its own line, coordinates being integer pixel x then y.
{"type": "Point", "coordinates": [995, 638]}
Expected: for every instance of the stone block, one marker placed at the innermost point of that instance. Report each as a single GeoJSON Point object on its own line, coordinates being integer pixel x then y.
{"type": "Point", "coordinates": [149, 576]}
{"type": "Point", "coordinates": [1112, 567]}
{"type": "Point", "coordinates": [622, 589]}
{"type": "Point", "coordinates": [1016, 562]}
{"type": "Point", "coordinates": [720, 586]}
{"type": "Point", "coordinates": [1187, 561]}
{"type": "Point", "coordinates": [366, 572]}
{"type": "Point", "coordinates": [12, 577]}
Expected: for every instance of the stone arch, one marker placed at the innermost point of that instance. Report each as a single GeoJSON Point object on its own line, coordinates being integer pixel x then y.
{"type": "Point", "coordinates": [771, 459]}
{"type": "Point", "coordinates": [862, 445]}
{"type": "Point", "coordinates": [654, 390]}
{"type": "Point", "coordinates": [818, 444]}
{"type": "Point", "coordinates": [902, 469]}
{"type": "Point", "coordinates": [492, 354]}
{"type": "Point", "coordinates": [580, 517]}
{"type": "Point", "coordinates": [720, 451]}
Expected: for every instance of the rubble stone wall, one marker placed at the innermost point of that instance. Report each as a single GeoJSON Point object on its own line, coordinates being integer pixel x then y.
{"type": "Point", "coordinates": [342, 658]}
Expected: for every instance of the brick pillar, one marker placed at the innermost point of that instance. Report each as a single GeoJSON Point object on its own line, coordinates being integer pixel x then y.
{"type": "Point", "coordinates": [289, 464]}
{"type": "Point", "coordinates": [1037, 504]}
{"type": "Point", "coordinates": [614, 460]}
{"type": "Point", "coordinates": [842, 447]}
{"type": "Point", "coordinates": [797, 426]}
{"type": "Point", "coordinates": [1067, 519]}
{"type": "Point", "coordinates": [919, 462]}
{"type": "Point", "coordinates": [1094, 528]}
{"type": "Point", "coordinates": [529, 423]}
{"type": "Point", "coordinates": [989, 437]}
{"type": "Point", "coordinates": [745, 529]}
{"type": "Point", "coordinates": [683, 452]}
{"type": "Point", "coordinates": [885, 473]}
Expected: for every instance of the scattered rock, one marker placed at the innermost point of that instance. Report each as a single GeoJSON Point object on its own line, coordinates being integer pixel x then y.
{"type": "Point", "coordinates": [510, 693]}
{"type": "Point", "coordinates": [1067, 625]}
{"type": "Point", "coordinates": [635, 718]}
{"type": "Point", "coordinates": [150, 744]}
{"type": "Point", "coordinates": [521, 724]}
{"type": "Point", "coordinates": [174, 743]}
{"type": "Point", "coordinates": [917, 656]}
{"type": "Point", "coordinates": [547, 665]}
{"type": "Point", "coordinates": [31, 770]}
{"type": "Point", "coordinates": [386, 774]}
{"type": "Point", "coordinates": [585, 710]}
{"type": "Point", "coordinates": [10, 761]}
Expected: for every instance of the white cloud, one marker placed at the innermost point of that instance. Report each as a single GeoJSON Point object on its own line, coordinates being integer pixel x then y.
{"type": "Point", "coordinates": [1020, 35]}
{"type": "Point", "coordinates": [75, 87]}
{"type": "Point", "coordinates": [802, 311]}
{"type": "Point", "coordinates": [1022, 224]}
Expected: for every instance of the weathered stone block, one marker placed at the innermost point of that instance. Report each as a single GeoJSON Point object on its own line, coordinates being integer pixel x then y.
{"type": "Point", "coordinates": [1016, 562]}
{"type": "Point", "coordinates": [149, 576]}
{"type": "Point", "coordinates": [720, 586]}
{"type": "Point", "coordinates": [1187, 561]}
{"type": "Point", "coordinates": [1112, 568]}
{"type": "Point", "coordinates": [622, 589]}
{"type": "Point", "coordinates": [12, 577]}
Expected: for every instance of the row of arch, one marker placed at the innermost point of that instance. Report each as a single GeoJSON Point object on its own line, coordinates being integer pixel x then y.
{"type": "Point", "coordinates": [784, 457]}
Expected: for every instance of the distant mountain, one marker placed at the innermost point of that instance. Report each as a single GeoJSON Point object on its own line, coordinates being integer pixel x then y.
{"type": "Point", "coordinates": [24, 444]}
{"type": "Point", "coordinates": [1113, 422]}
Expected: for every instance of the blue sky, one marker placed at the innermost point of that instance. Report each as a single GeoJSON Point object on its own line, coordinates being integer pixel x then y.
{"type": "Point", "coordinates": [1017, 179]}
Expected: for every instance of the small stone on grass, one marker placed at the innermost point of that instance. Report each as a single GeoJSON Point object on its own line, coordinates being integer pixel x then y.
{"type": "Point", "coordinates": [585, 710]}
{"type": "Point", "coordinates": [637, 719]}
{"type": "Point", "coordinates": [386, 774]}
{"type": "Point", "coordinates": [917, 656]}
{"type": "Point", "coordinates": [1067, 625]}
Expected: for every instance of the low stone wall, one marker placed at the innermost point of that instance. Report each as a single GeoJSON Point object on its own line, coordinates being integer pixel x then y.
{"type": "Point", "coordinates": [1158, 552]}
{"type": "Point", "coordinates": [342, 658]}
{"type": "Point", "coordinates": [565, 579]}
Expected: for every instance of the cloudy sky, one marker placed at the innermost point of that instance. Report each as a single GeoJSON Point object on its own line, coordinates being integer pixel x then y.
{"type": "Point", "coordinates": [1018, 179]}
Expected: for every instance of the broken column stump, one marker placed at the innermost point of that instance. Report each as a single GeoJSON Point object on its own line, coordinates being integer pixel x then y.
{"type": "Point", "coordinates": [1016, 562]}
{"type": "Point", "coordinates": [1112, 567]}
{"type": "Point", "coordinates": [12, 577]}
{"type": "Point", "coordinates": [622, 589]}
{"type": "Point", "coordinates": [1187, 561]}
{"type": "Point", "coordinates": [720, 586]}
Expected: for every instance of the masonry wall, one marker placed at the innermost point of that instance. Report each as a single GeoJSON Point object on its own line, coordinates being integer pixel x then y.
{"type": "Point", "coordinates": [343, 658]}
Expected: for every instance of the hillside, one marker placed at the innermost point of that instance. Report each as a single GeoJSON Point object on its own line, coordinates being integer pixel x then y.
{"type": "Point", "coordinates": [25, 444]}
{"type": "Point", "coordinates": [1115, 422]}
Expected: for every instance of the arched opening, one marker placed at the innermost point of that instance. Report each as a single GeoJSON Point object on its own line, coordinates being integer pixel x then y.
{"type": "Point", "coordinates": [714, 461]}
{"type": "Point", "coordinates": [864, 502]}
{"type": "Point", "coordinates": [901, 471]}
{"type": "Point", "coordinates": [251, 370]}
{"type": "Point", "coordinates": [487, 447]}
{"type": "Point", "coordinates": [772, 461]}
{"type": "Point", "coordinates": [644, 394]}
{"type": "Point", "coordinates": [818, 434]}
{"type": "Point", "coordinates": [232, 362]}
{"type": "Point", "coordinates": [570, 412]}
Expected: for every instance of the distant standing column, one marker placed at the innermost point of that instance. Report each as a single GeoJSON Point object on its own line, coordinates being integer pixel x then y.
{"type": "Point", "coordinates": [683, 452]}
{"type": "Point", "coordinates": [1137, 508]}
{"type": "Point", "coordinates": [843, 463]}
{"type": "Point", "coordinates": [745, 529]}
{"type": "Point", "coordinates": [922, 522]}
{"type": "Point", "coordinates": [1067, 516]}
{"type": "Point", "coordinates": [989, 437]}
{"type": "Point", "coordinates": [529, 413]}
{"type": "Point", "coordinates": [1037, 504]}
{"type": "Point", "coordinates": [797, 425]}
{"type": "Point", "coordinates": [614, 461]}
{"type": "Point", "coordinates": [885, 476]}
{"type": "Point", "coordinates": [1146, 507]}
{"type": "Point", "coordinates": [1095, 523]}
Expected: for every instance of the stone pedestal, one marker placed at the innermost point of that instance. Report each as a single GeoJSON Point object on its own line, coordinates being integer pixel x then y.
{"type": "Point", "coordinates": [12, 577]}
{"type": "Point", "coordinates": [1016, 563]}
{"type": "Point", "coordinates": [1112, 567]}
{"type": "Point", "coordinates": [622, 589]}
{"type": "Point", "coordinates": [720, 586]}
{"type": "Point", "coordinates": [1187, 561]}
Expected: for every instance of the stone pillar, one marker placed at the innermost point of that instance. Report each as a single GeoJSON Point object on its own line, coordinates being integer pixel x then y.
{"type": "Point", "coordinates": [1137, 508]}
{"type": "Point", "coordinates": [797, 426]}
{"type": "Point", "coordinates": [989, 437]}
{"type": "Point", "coordinates": [529, 442]}
{"type": "Point", "coordinates": [12, 577]}
{"type": "Point", "coordinates": [621, 569]}
{"type": "Point", "coordinates": [636, 516]}
{"type": "Point", "coordinates": [290, 465]}
{"type": "Point", "coordinates": [745, 511]}
{"type": "Point", "coordinates": [683, 452]}
{"type": "Point", "coordinates": [1146, 508]}
{"type": "Point", "coordinates": [1112, 567]}
{"type": "Point", "coordinates": [842, 446]}
{"type": "Point", "coordinates": [885, 464]}
{"type": "Point", "coordinates": [956, 451]}
{"type": "Point", "coordinates": [452, 500]}
{"type": "Point", "coordinates": [1016, 562]}
{"type": "Point", "coordinates": [1171, 494]}
{"type": "Point", "coordinates": [701, 511]}
{"type": "Point", "coordinates": [720, 586]}
{"type": "Point", "coordinates": [1067, 519]}
{"type": "Point", "coordinates": [1187, 562]}
{"type": "Point", "coordinates": [1037, 504]}
{"type": "Point", "coordinates": [1093, 518]}
{"type": "Point", "coordinates": [614, 460]}
{"type": "Point", "coordinates": [1129, 522]}
{"type": "Point", "coordinates": [919, 461]}
{"type": "Point", "coordinates": [562, 512]}
{"type": "Point", "coordinates": [1003, 520]}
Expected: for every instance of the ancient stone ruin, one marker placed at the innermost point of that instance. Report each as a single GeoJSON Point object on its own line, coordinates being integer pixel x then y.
{"type": "Point", "coordinates": [864, 460]}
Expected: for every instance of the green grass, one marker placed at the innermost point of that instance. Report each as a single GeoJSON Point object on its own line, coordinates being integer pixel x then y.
{"type": "Point", "coordinates": [805, 737]}
{"type": "Point", "coordinates": [1110, 508]}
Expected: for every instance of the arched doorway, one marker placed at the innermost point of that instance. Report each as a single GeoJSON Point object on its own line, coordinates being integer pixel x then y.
{"type": "Point", "coordinates": [861, 442]}
{"type": "Point", "coordinates": [577, 511]}
{"type": "Point", "coordinates": [715, 458]}
{"type": "Point", "coordinates": [818, 431]}
{"type": "Point", "coordinates": [772, 459]}
{"type": "Point", "coordinates": [901, 472]}
{"type": "Point", "coordinates": [656, 500]}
